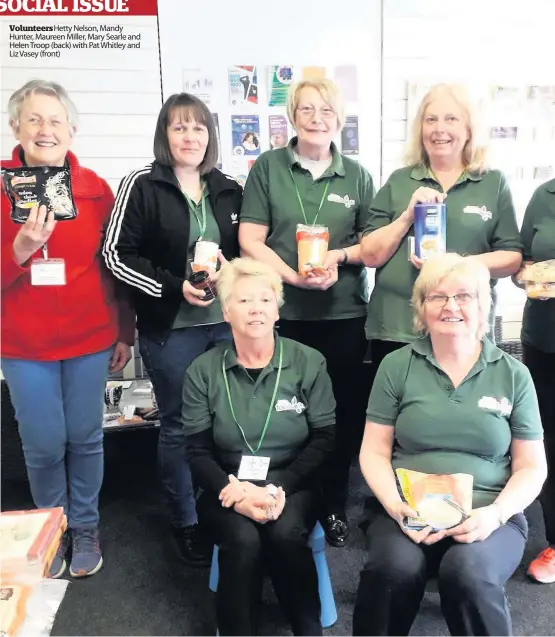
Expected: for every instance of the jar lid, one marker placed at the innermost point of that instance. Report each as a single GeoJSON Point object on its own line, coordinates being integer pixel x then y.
{"type": "Point", "coordinates": [198, 277]}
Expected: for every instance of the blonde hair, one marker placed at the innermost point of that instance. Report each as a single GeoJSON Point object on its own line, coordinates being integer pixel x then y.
{"type": "Point", "coordinates": [474, 154]}
{"type": "Point", "coordinates": [443, 266]}
{"type": "Point", "coordinates": [242, 268]}
{"type": "Point", "coordinates": [329, 92]}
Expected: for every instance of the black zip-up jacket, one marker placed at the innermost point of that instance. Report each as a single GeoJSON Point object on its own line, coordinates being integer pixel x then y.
{"type": "Point", "coordinates": [148, 235]}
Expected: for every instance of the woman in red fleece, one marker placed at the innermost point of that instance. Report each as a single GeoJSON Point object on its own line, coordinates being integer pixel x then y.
{"type": "Point", "coordinates": [59, 341]}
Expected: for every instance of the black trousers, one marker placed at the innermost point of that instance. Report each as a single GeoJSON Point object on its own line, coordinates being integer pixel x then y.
{"type": "Point", "coordinates": [248, 549]}
{"type": "Point", "coordinates": [542, 369]}
{"type": "Point", "coordinates": [471, 579]}
{"type": "Point", "coordinates": [343, 344]}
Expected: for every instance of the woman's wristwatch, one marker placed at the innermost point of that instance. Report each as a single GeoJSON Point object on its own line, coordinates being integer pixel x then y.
{"type": "Point", "coordinates": [345, 257]}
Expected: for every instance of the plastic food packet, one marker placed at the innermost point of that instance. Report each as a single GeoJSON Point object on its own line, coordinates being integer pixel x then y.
{"type": "Point", "coordinates": [539, 279]}
{"type": "Point", "coordinates": [312, 247]}
{"type": "Point", "coordinates": [29, 186]}
{"type": "Point", "coordinates": [540, 290]}
{"type": "Point", "coordinates": [441, 500]}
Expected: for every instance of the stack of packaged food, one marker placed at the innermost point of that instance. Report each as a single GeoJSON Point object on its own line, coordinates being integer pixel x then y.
{"type": "Point", "coordinates": [28, 543]}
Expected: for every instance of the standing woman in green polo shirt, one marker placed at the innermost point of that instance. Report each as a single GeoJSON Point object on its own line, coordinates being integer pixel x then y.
{"type": "Point", "coordinates": [451, 402]}
{"type": "Point", "coordinates": [446, 162]}
{"type": "Point", "coordinates": [538, 346]}
{"type": "Point", "coordinates": [309, 182]}
{"type": "Point", "coordinates": [259, 417]}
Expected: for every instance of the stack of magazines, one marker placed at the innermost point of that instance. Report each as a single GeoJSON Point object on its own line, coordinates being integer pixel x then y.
{"type": "Point", "coordinates": [28, 542]}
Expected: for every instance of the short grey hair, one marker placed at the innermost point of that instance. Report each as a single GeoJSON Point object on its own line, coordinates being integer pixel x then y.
{"type": "Point", "coordinates": [42, 87]}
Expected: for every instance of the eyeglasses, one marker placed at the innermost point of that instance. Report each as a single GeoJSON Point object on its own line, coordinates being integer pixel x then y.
{"type": "Point", "coordinates": [325, 112]}
{"type": "Point", "coordinates": [38, 122]}
{"type": "Point", "coordinates": [463, 298]}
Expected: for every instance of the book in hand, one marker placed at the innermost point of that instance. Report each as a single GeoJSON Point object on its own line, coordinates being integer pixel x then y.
{"type": "Point", "coordinates": [28, 542]}
{"type": "Point", "coordinates": [441, 501]}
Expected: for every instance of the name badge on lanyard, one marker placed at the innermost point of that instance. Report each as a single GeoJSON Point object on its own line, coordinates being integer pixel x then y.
{"type": "Point", "coordinates": [254, 467]}
{"type": "Point", "coordinates": [47, 271]}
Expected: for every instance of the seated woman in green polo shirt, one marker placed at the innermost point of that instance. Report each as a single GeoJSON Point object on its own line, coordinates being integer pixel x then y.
{"type": "Point", "coordinates": [259, 416]}
{"type": "Point", "coordinates": [311, 183]}
{"type": "Point", "coordinates": [445, 162]}
{"type": "Point", "coordinates": [538, 348]}
{"type": "Point", "coordinates": [451, 402]}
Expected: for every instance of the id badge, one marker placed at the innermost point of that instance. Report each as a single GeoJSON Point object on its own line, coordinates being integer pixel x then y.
{"type": "Point", "coordinates": [253, 468]}
{"type": "Point", "coordinates": [48, 272]}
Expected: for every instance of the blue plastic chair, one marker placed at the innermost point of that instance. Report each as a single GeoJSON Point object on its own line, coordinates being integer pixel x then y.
{"type": "Point", "coordinates": [317, 542]}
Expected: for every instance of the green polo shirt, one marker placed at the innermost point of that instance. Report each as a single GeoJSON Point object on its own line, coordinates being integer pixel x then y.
{"type": "Point", "coordinates": [538, 240]}
{"type": "Point", "coordinates": [469, 429]}
{"type": "Point", "coordinates": [480, 218]}
{"type": "Point", "coordinates": [270, 199]}
{"type": "Point", "coordinates": [190, 315]}
{"type": "Point", "coordinates": [304, 401]}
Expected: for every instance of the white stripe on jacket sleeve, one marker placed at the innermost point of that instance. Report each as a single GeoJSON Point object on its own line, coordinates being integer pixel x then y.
{"type": "Point", "coordinates": [111, 256]}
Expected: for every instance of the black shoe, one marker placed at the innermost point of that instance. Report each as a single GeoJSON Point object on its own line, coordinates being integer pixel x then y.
{"type": "Point", "coordinates": [193, 548]}
{"type": "Point", "coordinates": [336, 529]}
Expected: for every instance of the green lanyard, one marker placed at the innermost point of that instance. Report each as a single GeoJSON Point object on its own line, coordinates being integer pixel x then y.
{"type": "Point", "coordinates": [193, 208]}
{"type": "Point", "coordinates": [301, 201]}
{"type": "Point", "coordinates": [268, 416]}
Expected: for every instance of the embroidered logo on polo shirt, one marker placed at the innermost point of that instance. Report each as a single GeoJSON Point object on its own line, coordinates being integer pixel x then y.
{"type": "Point", "coordinates": [293, 405]}
{"type": "Point", "coordinates": [348, 203]}
{"type": "Point", "coordinates": [478, 210]}
{"type": "Point", "coordinates": [234, 218]}
{"type": "Point", "coordinates": [502, 406]}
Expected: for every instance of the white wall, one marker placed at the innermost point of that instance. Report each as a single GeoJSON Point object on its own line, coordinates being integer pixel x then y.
{"type": "Point", "coordinates": [117, 94]}
{"type": "Point", "coordinates": [475, 42]}
{"type": "Point", "coordinates": [290, 32]}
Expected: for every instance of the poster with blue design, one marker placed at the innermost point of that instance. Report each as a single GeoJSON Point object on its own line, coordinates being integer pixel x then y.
{"type": "Point", "coordinates": [245, 135]}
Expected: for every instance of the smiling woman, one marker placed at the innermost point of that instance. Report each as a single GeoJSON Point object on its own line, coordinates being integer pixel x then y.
{"type": "Point", "coordinates": [446, 164]}
{"type": "Point", "coordinates": [449, 403]}
{"type": "Point", "coordinates": [176, 216]}
{"type": "Point", "coordinates": [63, 325]}
{"type": "Point", "coordinates": [310, 183]}
{"type": "Point", "coordinates": [259, 418]}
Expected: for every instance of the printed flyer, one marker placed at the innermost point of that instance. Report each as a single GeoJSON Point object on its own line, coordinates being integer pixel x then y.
{"type": "Point", "coordinates": [346, 79]}
{"type": "Point", "coordinates": [245, 135]}
{"type": "Point", "coordinates": [349, 136]}
{"type": "Point", "coordinates": [279, 80]}
{"type": "Point", "coordinates": [243, 85]}
{"type": "Point", "coordinates": [198, 83]}
{"type": "Point", "coordinates": [216, 121]}
{"type": "Point", "coordinates": [279, 135]}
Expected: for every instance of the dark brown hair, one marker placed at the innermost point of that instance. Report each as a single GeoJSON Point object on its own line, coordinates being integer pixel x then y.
{"type": "Point", "coordinates": [194, 110]}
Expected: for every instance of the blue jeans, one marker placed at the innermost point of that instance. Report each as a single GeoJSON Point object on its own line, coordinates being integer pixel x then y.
{"type": "Point", "coordinates": [166, 366]}
{"type": "Point", "coordinates": [59, 407]}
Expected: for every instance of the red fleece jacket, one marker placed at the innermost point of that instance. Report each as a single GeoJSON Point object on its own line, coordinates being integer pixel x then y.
{"type": "Point", "coordinates": [85, 316]}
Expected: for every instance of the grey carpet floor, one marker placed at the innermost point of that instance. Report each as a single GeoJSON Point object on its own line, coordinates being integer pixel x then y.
{"type": "Point", "coordinates": [143, 588]}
